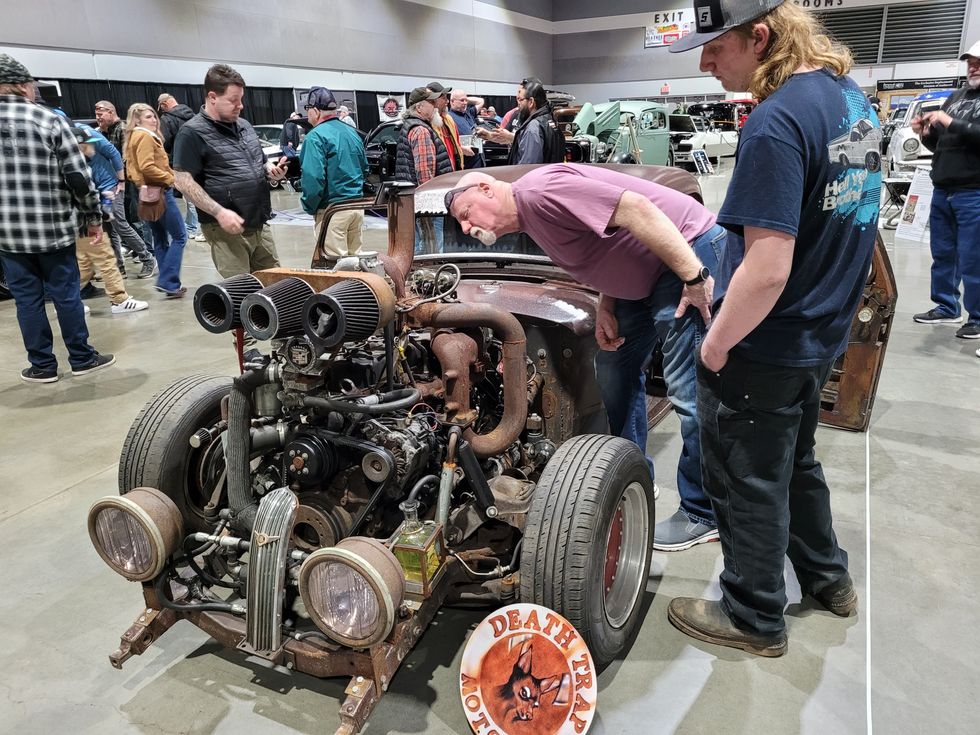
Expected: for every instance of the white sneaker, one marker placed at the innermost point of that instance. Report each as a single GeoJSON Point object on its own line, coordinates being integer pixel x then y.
{"type": "Point", "coordinates": [87, 308]}
{"type": "Point", "coordinates": [199, 237]}
{"type": "Point", "coordinates": [656, 491]}
{"type": "Point", "coordinates": [129, 305]}
{"type": "Point", "coordinates": [978, 353]}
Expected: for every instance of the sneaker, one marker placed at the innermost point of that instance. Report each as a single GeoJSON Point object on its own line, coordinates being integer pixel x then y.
{"type": "Point", "coordinates": [679, 532]}
{"type": "Point", "coordinates": [97, 363]}
{"type": "Point", "coordinates": [35, 375]}
{"type": "Point", "coordinates": [148, 269]}
{"type": "Point", "coordinates": [656, 491]}
{"type": "Point", "coordinates": [706, 621]}
{"type": "Point", "coordinates": [178, 294]}
{"type": "Point", "coordinates": [839, 597]}
{"type": "Point", "coordinates": [935, 316]}
{"type": "Point", "coordinates": [978, 353]}
{"type": "Point", "coordinates": [91, 292]}
{"type": "Point", "coordinates": [970, 330]}
{"type": "Point", "coordinates": [199, 237]}
{"type": "Point", "coordinates": [122, 271]}
{"type": "Point", "coordinates": [87, 309]}
{"type": "Point", "coordinates": [129, 306]}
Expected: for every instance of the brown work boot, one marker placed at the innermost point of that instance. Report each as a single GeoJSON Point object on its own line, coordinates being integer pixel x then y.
{"type": "Point", "coordinates": [706, 621]}
{"type": "Point", "coordinates": [839, 597]}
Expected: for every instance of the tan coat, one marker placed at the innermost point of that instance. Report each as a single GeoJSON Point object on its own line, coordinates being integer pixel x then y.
{"type": "Point", "coordinates": [146, 160]}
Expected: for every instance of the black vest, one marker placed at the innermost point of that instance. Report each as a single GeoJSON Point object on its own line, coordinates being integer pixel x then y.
{"type": "Point", "coordinates": [405, 161]}
{"type": "Point", "coordinates": [233, 169]}
{"type": "Point", "coordinates": [552, 138]}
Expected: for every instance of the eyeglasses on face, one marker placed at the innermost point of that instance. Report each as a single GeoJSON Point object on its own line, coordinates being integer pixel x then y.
{"type": "Point", "coordinates": [453, 193]}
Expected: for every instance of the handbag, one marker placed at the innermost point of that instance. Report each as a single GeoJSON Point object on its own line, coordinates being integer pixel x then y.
{"type": "Point", "coordinates": [151, 211]}
{"type": "Point", "coordinates": [150, 194]}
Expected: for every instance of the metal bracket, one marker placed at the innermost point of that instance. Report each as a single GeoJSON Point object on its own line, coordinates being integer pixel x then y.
{"type": "Point", "coordinates": [362, 696]}
{"type": "Point", "coordinates": [150, 625]}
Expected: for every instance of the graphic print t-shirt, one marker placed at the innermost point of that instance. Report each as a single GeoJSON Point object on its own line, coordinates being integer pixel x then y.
{"type": "Point", "coordinates": [809, 165]}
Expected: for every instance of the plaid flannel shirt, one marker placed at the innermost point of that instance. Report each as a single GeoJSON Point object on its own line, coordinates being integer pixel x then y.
{"type": "Point", "coordinates": [424, 152]}
{"type": "Point", "coordinates": [37, 206]}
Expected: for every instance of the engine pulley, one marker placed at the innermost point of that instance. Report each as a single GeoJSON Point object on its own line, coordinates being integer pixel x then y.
{"type": "Point", "coordinates": [310, 460]}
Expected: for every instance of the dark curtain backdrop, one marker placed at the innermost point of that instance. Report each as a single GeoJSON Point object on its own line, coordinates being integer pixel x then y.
{"type": "Point", "coordinates": [263, 105]}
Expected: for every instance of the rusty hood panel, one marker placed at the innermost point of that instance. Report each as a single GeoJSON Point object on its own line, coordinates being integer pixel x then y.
{"type": "Point", "coordinates": [555, 302]}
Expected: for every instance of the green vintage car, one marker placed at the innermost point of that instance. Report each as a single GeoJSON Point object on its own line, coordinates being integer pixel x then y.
{"type": "Point", "coordinates": [628, 131]}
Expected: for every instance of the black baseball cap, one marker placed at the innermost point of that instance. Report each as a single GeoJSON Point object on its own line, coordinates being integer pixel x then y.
{"type": "Point", "coordinates": [436, 87]}
{"type": "Point", "coordinates": [714, 17]}
{"type": "Point", "coordinates": [321, 98]}
{"type": "Point", "coordinates": [420, 94]}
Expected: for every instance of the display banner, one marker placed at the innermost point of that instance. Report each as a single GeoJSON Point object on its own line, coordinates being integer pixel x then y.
{"type": "Point", "coordinates": [914, 221]}
{"type": "Point", "coordinates": [390, 106]}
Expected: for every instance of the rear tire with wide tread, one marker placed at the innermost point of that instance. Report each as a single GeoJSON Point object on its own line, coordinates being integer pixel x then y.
{"type": "Point", "coordinates": [157, 451]}
{"type": "Point", "coordinates": [563, 554]}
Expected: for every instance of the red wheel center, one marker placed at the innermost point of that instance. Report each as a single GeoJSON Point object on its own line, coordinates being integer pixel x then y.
{"type": "Point", "coordinates": [614, 547]}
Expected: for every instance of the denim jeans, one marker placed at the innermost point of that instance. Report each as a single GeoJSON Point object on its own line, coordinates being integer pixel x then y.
{"type": "Point", "coordinates": [767, 488]}
{"type": "Point", "coordinates": [169, 238]}
{"type": "Point", "coordinates": [954, 238]}
{"type": "Point", "coordinates": [29, 276]}
{"type": "Point", "coordinates": [190, 219]}
{"type": "Point", "coordinates": [621, 379]}
{"type": "Point", "coordinates": [123, 232]}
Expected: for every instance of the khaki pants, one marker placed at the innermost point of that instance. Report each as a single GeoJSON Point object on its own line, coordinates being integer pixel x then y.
{"type": "Point", "coordinates": [100, 257]}
{"type": "Point", "coordinates": [343, 232]}
{"type": "Point", "coordinates": [236, 254]}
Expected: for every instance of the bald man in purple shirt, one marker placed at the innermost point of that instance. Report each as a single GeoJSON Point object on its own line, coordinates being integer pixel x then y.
{"type": "Point", "coordinates": [649, 250]}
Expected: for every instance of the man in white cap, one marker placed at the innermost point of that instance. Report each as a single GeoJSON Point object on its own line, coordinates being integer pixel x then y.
{"type": "Point", "coordinates": [953, 133]}
{"type": "Point", "coordinates": [46, 192]}
{"type": "Point", "coordinates": [802, 227]}
{"type": "Point", "coordinates": [343, 112]}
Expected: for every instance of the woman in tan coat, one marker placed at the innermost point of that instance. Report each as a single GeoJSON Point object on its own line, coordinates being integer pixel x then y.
{"type": "Point", "coordinates": [147, 165]}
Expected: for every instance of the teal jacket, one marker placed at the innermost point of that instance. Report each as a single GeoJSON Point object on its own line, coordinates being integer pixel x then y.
{"type": "Point", "coordinates": [333, 163]}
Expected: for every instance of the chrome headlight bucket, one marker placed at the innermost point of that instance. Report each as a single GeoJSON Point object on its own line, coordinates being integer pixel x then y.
{"type": "Point", "coordinates": [352, 591]}
{"type": "Point", "coordinates": [136, 533]}
{"type": "Point", "coordinates": [910, 146]}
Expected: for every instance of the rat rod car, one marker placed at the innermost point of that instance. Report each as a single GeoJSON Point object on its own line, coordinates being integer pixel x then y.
{"type": "Point", "coordinates": [423, 430]}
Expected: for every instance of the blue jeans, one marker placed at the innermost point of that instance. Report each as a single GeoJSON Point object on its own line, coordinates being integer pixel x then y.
{"type": "Point", "coordinates": [620, 375]}
{"type": "Point", "coordinates": [29, 277]}
{"type": "Point", "coordinates": [169, 238]}
{"type": "Point", "coordinates": [190, 219]}
{"type": "Point", "coordinates": [954, 238]}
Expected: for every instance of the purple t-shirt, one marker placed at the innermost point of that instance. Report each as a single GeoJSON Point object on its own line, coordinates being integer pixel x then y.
{"type": "Point", "coordinates": [566, 209]}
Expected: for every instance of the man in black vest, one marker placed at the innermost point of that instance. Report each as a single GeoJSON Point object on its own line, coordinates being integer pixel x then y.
{"type": "Point", "coordinates": [220, 167]}
{"type": "Point", "coordinates": [421, 155]}
{"type": "Point", "coordinates": [537, 138]}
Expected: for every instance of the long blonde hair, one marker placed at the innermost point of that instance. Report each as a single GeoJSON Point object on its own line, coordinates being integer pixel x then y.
{"type": "Point", "coordinates": [796, 38]}
{"type": "Point", "coordinates": [133, 116]}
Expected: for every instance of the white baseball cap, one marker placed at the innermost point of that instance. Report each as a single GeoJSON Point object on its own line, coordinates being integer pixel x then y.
{"type": "Point", "coordinates": [974, 50]}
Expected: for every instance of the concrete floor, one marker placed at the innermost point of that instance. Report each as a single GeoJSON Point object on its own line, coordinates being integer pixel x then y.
{"type": "Point", "coordinates": [911, 653]}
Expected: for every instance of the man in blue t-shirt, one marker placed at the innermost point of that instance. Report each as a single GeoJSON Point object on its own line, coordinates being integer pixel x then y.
{"type": "Point", "coordinates": [463, 109]}
{"type": "Point", "coordinates": [802, 209]}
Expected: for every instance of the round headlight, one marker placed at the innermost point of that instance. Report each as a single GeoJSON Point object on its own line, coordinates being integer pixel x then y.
{"type": "Point", "coordinates": [910, 146]}
{"type": "Point", "coordinates": [353, 590]}
{"type": "Point", "coordinates": [136, 533]}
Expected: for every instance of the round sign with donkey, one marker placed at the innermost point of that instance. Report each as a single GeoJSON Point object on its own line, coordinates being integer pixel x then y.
{"type": "Point", "coordinates": [527, 671]}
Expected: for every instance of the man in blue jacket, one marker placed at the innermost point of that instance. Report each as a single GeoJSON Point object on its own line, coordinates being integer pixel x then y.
{"type": "Point", "coordinates": [334, 165]}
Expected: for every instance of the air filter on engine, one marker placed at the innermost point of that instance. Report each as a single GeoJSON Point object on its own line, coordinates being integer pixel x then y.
{"type": "Point", "coordinates": [346, 312]}
{"type": "Point", "coordinates": [217, 305]}
{"type": "Point", "coordinates": [276, 311]}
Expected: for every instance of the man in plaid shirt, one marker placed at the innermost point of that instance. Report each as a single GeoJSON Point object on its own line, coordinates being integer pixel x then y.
{"type": "Point", "coordinates": [44, 178]}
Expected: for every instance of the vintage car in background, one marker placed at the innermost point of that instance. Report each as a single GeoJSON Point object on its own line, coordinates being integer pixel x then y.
{"type": "Point", "coordinates": [724, 114]}
{"type": "Point", "coordinates": [380, 146]}
{"type": "Point", "coordinates": [895, 117]}
{"type": "Point", "coordinates": [627, 131]}
{"type": "Point", "coordinates": [689, 133]}
{"type": "Point", "coordinates": [419, 431]}
{"type": "Point", "coordinates": [905, 150]}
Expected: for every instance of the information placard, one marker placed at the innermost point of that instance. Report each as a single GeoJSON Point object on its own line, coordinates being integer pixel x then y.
{"type": "Point", "coordinates": [701, 162]}
{"type": "Point", "coordinates": [913, 224]}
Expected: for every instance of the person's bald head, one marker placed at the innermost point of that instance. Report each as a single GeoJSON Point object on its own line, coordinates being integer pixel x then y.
{"type": "Point", "coordinates": [458, 100]}
{"type": "Point", "coordinates": [483, 206]}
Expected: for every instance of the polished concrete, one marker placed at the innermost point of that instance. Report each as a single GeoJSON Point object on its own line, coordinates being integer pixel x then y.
{"type": "Point", "coordinates": [912, 651]}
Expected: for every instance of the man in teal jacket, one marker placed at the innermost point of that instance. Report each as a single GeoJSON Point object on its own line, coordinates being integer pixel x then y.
{"type": "Point", "coordinates": [333, 163]}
